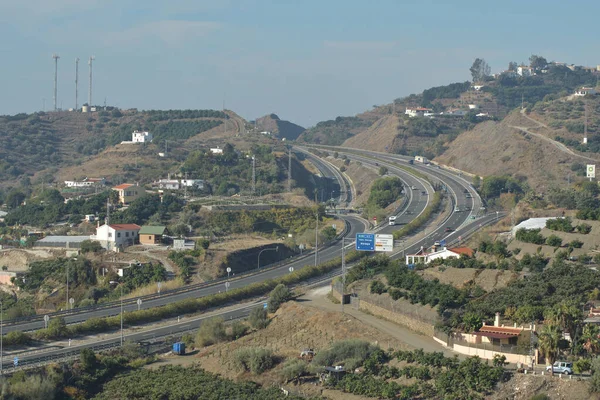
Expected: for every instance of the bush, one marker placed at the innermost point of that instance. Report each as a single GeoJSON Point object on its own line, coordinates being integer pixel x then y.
{"type": "Point", "coordinates": [278, 296]}
{"type": "Point", "coordinates": [576, 244]}
{"type": "Point", "coordinates": [377, 287]}
{"type": "Point", "coordinates": [237, 330]}
{"type": "Point", "coordinates": [560, 224]}
{"type": "Point", "coordinates": [582, 365]}
{"type": "Point", "coordinates": [211, 331]}
{"type": "Point", "coordinates": [530, 236]}
{"type": "Point", "coordinates": [203, 243]}
{"type": "Point", "coordinates": [584, 228]}
{"type": "Point", "coordinates": [258, 318]}
{"type": "Point", "coordinates": [554, 241]}
{"type": "Point", "coordinates": [293, 369]}
{"type": "Point", "coordinates": [254, 359]}
{"type": "Point", "coordinates": [343, 351]}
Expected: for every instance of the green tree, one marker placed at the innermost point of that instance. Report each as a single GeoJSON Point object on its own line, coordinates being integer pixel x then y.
{"type": "Point", "coordinates": [472, 322]}
{"type": "Point", "coordinates": [480, 70]}
{"type": "Point", "coordinates": [88, 359]}
{"type": "Point", "coordinates": [90, 246]}
{"type": "Point", "coordinates": [329, 233]}
{"type": "Point", "coordinates": [203, 243]}
{"type": "Point", "coordinates": [537, 62]}
{"type": "Point", "coordinates": [548, 340]}
{"type": "Point", "coordinates": [279, 295]}
{"type": "Point", "coordinates": [211, 331]}
{"type": "Point", "coordinates": [590, 338]}
{"type": "Point", "coordinates": [57, 327]}
{"type": "Point", "coordinates": [383, 170]}
{"type": "Point", "coordinates": [553, 241]}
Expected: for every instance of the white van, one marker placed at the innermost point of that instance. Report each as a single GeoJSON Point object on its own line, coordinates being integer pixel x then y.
{"type": "Point", "coordinates": [392, 220]}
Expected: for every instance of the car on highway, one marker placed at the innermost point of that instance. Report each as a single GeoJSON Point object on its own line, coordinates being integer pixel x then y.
{"type": "Point", "coordinates": [392, 220]}
{"type": "Point", "coordinates": [561, 367]}
{"type": "Point", "coordinates": [456, 209]}
{"type": "Point", "coordinates": [448, 229]}
{"type": "Point", "coordinates": [423, 193]}
{"type": "Point", "coordinates": [413, 187]}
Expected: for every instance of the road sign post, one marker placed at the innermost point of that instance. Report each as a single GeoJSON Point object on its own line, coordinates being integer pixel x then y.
{"type": "Point", "coordinates": [16, 361]}
{"type": "Point", "coordinates": [46, 319]}
{"type": "Point", "coordinates": [227, 286]}
{"type": "Point", "coordinates": [228, 271]}
{"type": "Point", "coordinates": [71, 302]}
{"type": "Point", "coordinates": [159, 284]}
{"type": "Point", "coordinates": [384, 242]}
{"type": "Point", "coordinates": [139, 303]}
{"type": "Point", "coordinates": [365, 242]}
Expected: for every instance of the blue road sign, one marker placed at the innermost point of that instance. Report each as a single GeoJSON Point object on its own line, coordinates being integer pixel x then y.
{"type": "Point", "coordinates": [442, 242]}
{"type": "Point", "coordinates": [16, 361]}
{"type": "Point", "coordinates": [265, 306]}
{"type": "Point", "coordinates": [365, 241]}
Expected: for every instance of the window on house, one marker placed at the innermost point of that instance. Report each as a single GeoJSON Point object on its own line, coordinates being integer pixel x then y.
{"type": "Point", "coordinates": [126, 234]}
{"type": "Point", "coordinates": [149, 237]}
{"type": "Point", "coordinates": [109, 234]}
{"type": "Point", "coordinates": [118, 234]}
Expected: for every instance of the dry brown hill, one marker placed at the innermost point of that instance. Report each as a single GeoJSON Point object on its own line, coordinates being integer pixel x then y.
{"type": "Point", "coordinates": [498, 148]}
{"type": "Point", "coordinates": [378, 137]}
{"type": "Point", "coordinates": [278, 127]}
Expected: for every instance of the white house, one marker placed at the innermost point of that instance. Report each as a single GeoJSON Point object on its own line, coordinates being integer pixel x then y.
{"type": "Point", "coordinates": [141, 137]}
{"type": "Point", "coordinates": [169, 184]}
{"type": "Point", "coordinates": [584, 91]}
{"type": "Point", "coordinates": [86, 182]}
{"type": "Point", "coordinates": [197, 183]}
{"type": "Point", "coordinates": [524, 70]}
{"type": "Point", "coordinates": [216, 150]}
{"type": "Point", "coordinates": [422, 257]}
{"type": "Point", "coordinates": [477, 87]}
{"type": "Point", "coordinates": [418, 112]}
{"type": "Point", "coordinates": [116, 237]}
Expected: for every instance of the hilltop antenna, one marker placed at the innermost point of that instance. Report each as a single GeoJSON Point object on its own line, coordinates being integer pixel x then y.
{"type": "Point", "coordinates": [253, 174]}
{"type": "Point", "coordinates": [90, 61]}
{"type": "Point", "coordinates": [76, 82]}
{"type": "Point", "coordinates": [56, 57]}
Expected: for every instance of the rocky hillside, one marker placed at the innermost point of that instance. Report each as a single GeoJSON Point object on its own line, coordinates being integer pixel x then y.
{"type": "Point", "coordinates": [280, 128]}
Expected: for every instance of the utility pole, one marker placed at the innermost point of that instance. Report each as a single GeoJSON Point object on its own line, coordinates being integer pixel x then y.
{"type": "Point", "coordinates": [107, 222]}
{"type": "Point", "coordinates": [289, 188]}
{"type": "Point", "coordinates": [253, 174]}
{"type": "Point", "coordinates": [522, 100]}
{"type": "Point", "coordinates": [67, 267]}
{"type": "Point", "coordinates": [317, 232]}
{"type": "Point", "coordinates": [55, 57]}
{"type": "Point", "coordinates": [585, 123]}
{"type": "Point", "coordinates": [90, 61]}
{"type": "Point", "coordinates": [165, 147]}
{"type": "Point", "coordinates": [76, 82]}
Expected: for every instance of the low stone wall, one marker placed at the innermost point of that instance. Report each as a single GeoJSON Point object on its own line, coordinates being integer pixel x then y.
{"type": "Point", "coordinates": [489, 354]}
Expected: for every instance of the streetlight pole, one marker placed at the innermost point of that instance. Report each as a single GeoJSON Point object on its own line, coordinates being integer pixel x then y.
{"type": "Point", "coordinates": [121, 315]}
{"type": "Point", "coordinates": [260, 252]}
{"type": "Point", "coordinates": [317, 232]}
{"type": "Point", "coordinates": [1, 336]}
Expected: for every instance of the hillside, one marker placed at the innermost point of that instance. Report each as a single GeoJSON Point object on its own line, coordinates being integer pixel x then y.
{"type": "Point", "coordinates": [280, 128]}
{"type": "Point", "coordinates": [498, 148]}
{"type": "Point", "coordinates": [39, 144]}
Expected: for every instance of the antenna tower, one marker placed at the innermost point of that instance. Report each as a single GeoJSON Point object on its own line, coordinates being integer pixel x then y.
{"type": "Point", "coordinates": [289, 188]}
{"type": "Point", "coordinates": [56, 57]}
{"type": "Point", "coordinates": [92, 58]}
{"type": "Point", "coordinates": [76, 82]}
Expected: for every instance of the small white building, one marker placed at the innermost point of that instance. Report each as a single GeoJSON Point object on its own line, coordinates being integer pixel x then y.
{"type": "Point", "coordinates": [418, 112]}
{"type": "Point", "coordinates": [584, 91]}
{"type": "Point", "coordinates": [477, 87]}
{"type": "Point", "coordinates": [422, 257]}
{"type": "Point", "coordinates": [216, 150]}
{"type": "Point", "coordinates": [169, 184]}
{"type": "Point", "coordinates": [86, 182]}
{"type": "Point", "coordinates": [523, 70]}
{"type": "Point", "coordinates": [141, 137]}
{"type": "Point", "coordinates": [195, 183]}
{"type": "Point", "coordinates": [116, 237]}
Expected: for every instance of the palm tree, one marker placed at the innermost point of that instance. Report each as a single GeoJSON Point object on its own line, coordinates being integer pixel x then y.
{"type": "Point", "coordinates": [567, 316]}
{"type": "Point", "coordinates": [548, 343]}
{"type": "Point", "coordinates": [590, 338]}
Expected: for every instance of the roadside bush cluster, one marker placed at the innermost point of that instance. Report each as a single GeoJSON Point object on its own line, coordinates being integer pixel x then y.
{"type": "Point", "coordinates": [254, 359]}
{"type": "Point", "coordinates": [560, 224]}
{"type": "Point", "coordinates": [530, 236]}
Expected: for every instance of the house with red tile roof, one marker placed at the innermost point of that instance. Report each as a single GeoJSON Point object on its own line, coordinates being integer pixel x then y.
{"type": "Point", "coordinates": [129, 192]}
{"type": "Point", "coordinates": [116, 237]}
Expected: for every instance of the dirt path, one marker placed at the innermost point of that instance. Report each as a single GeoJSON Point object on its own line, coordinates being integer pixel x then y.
{"type": "Point", "coordinates": [317, 298]}
{"type": "Point", "coordinates": [558, 145]}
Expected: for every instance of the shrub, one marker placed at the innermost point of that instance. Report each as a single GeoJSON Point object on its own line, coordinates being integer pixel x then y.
{"type": "Point", "coordinates": [211, 331]}
{"type": "Point", "coordinates": [582, 365]}
{"type": "Point", "coordinates": [258, 318]}
{"type": "Point", "coordinates": [560, 224]}
{"type": "Point", "coordinates": [237, 330]}
{"type": "Point", "coordinates": [293, 369]}
{"type": "Point", "coordinates": [553, 241]}
{"type": "Point", "coordinates": [254, 359]}
{"type": "Point", "coordinates": [576, 244]}
{"type": "Point", "coordinates": [584, 228]}
{"type": "Point", "coordinates": [530, 236]}
{"type": "Point", "coordinates": [203, 243]}
{"type": "Point", "coordinates": [16, 338]}
{"type": "Point", "coordinates": [278, 296]}
{"type": "Point", "coordinates": [344, 351]}
{"type": "Point", "coordinates": [377, 287]}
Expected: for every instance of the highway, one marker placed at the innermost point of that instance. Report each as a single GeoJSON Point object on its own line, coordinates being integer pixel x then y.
{"type": "Point", "coordinates": [460, 221]}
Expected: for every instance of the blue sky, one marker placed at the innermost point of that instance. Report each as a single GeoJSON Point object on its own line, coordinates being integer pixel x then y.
{"type": "Point", "coordinates": [304, 60]}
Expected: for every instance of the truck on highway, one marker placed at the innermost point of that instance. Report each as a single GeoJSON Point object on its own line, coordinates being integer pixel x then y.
{"type": "Point", "coordinates": [421, 159]}
{"type": "Point", "coordinates": [392, 220]}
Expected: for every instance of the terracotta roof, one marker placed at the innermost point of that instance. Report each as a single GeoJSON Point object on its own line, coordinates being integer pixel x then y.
{"type": "Point", "coordinates": [493, 335]}
{"type": "Point", "coordinates": [463, 250]}
{"type": "Point", "coordinates": [123, 186]}
{"type": "Point", "coordinates": [125, 227]}
{"type": "Point", "coordinates": [500, 330]}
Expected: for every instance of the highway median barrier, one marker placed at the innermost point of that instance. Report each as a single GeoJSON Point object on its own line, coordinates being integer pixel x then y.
{"type": "Point", "coordinates": [192, 305]}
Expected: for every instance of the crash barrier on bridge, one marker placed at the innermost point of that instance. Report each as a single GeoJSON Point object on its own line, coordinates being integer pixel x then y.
{"type": "Point", "coordinates": [187, 288]}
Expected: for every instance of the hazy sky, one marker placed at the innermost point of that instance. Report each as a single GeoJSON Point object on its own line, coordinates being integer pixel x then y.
{"type": "Point", "coordinates": [305, 60]}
